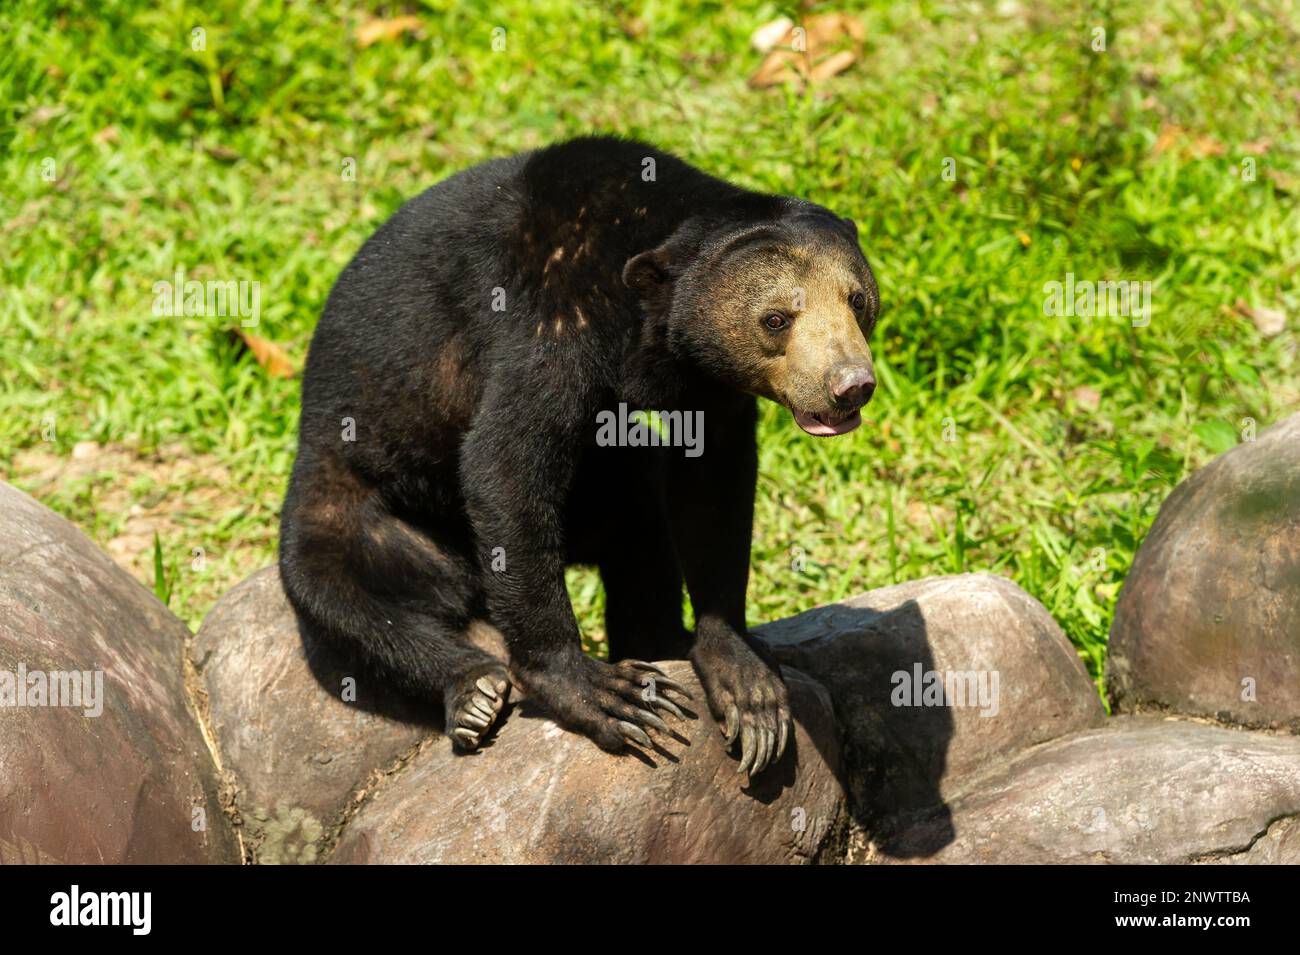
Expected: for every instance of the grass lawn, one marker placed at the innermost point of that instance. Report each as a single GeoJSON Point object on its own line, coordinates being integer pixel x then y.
{"type": "Point", "coordinates": [985, 149]}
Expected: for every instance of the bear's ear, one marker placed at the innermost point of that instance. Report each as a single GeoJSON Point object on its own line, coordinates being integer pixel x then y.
{"type": "Point", "coordinates": [853, 226]}
{"type": "Point", "coordinates": [646, 271]}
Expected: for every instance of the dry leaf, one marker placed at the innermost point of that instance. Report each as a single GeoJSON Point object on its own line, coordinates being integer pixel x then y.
{"type": "Point", "coordinates": [1198, 147]}
{"type": "Point", "coordinates": [1089, 399]}
{"type": "Point", "coordinates": [1169, 134]}
{"type": "Point", "coordinates": [770, 34]}
{"type": "Point", "coordinates": [1284, 182]}
{"type": "Point", "coordinates": [106, 135]}
{"type": "Point", "coordinates": [274, 359]}
{"type": "Point", "coordinates": [829, 27]}
{"type": "Point", "coordinates": [833, 64]}
{"type": "Point", "coordinates": [373, 31]}
{"type": "Point", "coordinates": [1269, 321]}
{"type": "Point", "coordinates": [1204, 146]}
{"type": "Point", "coordinates": [819, 48]}
{"type": "Point", "coordinates": [43, 114]}
{"type": "Point", "coordinates": [779, 66]}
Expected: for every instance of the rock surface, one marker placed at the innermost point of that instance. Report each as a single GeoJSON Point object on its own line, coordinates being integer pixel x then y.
{"type": "Point", "coordinates": [134, 783]}
{"type": "Point", "coordinates": [296, 749]}
{"type": "Point", "coordinates": [969, 729]}
{"type": "Point", "coordinates": [303, 759]}
{"type": "Point", "coordinates": [1208, 622]}
{"type": "Point", "coordinates": [1140, 790]}
{"type": "Point", "coordinates": [539, 794]}
{"type": "Point", "coordinates": [907, 758]}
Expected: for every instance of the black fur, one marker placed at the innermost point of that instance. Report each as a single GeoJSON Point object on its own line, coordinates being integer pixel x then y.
{"type": "Point", "coordinates": [475, 430]}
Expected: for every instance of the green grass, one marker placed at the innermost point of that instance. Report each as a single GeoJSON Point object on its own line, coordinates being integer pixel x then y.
{"type": "Point", "coordinates": [1001, 438]}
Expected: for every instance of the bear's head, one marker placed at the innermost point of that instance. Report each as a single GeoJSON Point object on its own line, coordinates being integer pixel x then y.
{"type": "Point", "coordinates": [781, 307]}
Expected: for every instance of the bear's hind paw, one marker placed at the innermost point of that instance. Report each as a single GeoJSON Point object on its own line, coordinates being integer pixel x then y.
{"type": "Point", "coordinates": [475, 706]}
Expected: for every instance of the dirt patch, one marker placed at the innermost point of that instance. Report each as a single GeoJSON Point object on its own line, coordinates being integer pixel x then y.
{"type": "Point", "coordinates": [122, 497]}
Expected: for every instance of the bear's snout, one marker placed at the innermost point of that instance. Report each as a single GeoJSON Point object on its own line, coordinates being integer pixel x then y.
{"type": "Point", "coordinates": [851, 385]}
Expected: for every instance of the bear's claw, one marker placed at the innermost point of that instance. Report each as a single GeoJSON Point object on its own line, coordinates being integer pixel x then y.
{"type": "Point", "coordinates": [748, 699]}
{"type": "Point", "coordinates": [473, 711]}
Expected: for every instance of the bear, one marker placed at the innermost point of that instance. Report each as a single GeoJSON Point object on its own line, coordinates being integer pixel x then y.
{"type": "Point", "coordinates": [455, 454]}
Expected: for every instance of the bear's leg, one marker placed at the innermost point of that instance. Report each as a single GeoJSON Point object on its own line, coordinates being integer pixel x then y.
{"type": "Point", "coordinates": [387, 592]}
{"type": "Point", "coordinates": [643, 589]}
{"type": "Point", "coordinates": [712, 524]}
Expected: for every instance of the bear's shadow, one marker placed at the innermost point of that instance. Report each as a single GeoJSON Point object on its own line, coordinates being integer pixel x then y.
{"type": "Point", "coordinates": [892, 757]}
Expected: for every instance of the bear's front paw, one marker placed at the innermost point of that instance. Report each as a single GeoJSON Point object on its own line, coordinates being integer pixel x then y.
{"type": "Point", "coordinates": [612, 705]}
{"type": "Point", "coordinates": [747, 697]}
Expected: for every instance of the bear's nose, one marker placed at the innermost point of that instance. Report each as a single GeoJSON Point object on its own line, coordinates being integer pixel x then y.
{"type": "Point", "coordinates": [851, 386]}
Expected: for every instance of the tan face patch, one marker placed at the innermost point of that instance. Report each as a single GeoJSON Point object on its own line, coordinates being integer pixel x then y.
{"type": "Point", "coordinates": [825, 332]}
{"type": "Point", "coordinates": [811, 287]}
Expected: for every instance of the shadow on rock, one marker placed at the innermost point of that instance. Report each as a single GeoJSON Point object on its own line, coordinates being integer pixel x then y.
{"type": "Point", "coordinates": [895, 746]}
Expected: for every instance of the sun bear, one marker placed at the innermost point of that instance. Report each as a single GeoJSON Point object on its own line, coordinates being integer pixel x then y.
{"type": "Point", "coordinates": [456, 449]}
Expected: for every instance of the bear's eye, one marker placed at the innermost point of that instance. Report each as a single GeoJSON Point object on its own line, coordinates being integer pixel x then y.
{"type": "Point", "coordinates": [858, 301]}
{"type": "Point", "coordinates": [775, 321]}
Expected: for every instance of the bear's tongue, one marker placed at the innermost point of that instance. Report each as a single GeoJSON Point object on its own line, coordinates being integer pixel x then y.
{"type": "Point", "coordinates": [824, 425]}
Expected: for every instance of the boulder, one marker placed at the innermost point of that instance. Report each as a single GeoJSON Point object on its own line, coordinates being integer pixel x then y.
{"type": "Point", "coordinates": [1208, 621]}
{"type": "Point", "coordinates": [299, 731]}
{"type": "Point", "coordinates": [1278, 845]}
{"type": "Point", "coordinates": [1012, 681]}
{"type": "Point", "coordinates": [538, 794]}
{"type": "Point", "coordinates": [117, 772]}
{"type": "Point", "coordinates": [1140, 790]}
{"type": "Point", "coordinates": [322, 755]}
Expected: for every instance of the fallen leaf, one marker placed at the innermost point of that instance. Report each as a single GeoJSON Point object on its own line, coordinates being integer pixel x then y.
{"type": "Point", "coordinates": [1284, 182]}
{"type": "Point", "coordinates": [826, 28]}
{"type": "Point", "coordinates": [43, 114]}
{"type": "Point", "coordinates": [1270, 322]}
{"type": "Point", "coordinates": [1089, 399]}
{"type": "Point", "coordinates": [274, 359]}
{"type": "Point", "coordinates": [373, 31]}
{"type": "Point", "coordinates": [1204, 146]}
{"type": "Point", "coordinates": [1168, 135]}
{"type": "Point", "coordinates": [819, 48]}
{"type": "Point", "coordinates": [779, 66]}
{"type": "Point", "coordinates": [106, 135]}
{"type": "Point", "coordinates": [1198, 147]}
{"type": "Point", "coordinates": [770, 34]}
{"type": "Point", "coordinates": [833, 64]}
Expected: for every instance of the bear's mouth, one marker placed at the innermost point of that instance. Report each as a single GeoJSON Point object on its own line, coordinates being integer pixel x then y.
{"type": "Point", "coordinates": [824, 424]}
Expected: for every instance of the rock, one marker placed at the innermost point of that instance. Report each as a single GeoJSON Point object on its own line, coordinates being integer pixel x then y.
{"type": "Point", "coordinates": [124, 776]}
{"type": "Point", "coordinates": [1208, 621]}
{"type": "Point", "coordinates": [902, 759]}
{"type": "Point", "coordinates": [303, 760]}
{"type": "Point", "coordinates": [295, 748]}
{"type": "Point", "coordinates": [1280, 845]}
{"type": "Point", "coordinates": [1140, 790]}
{"type": "Point", "coordinates": [538, 794]}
